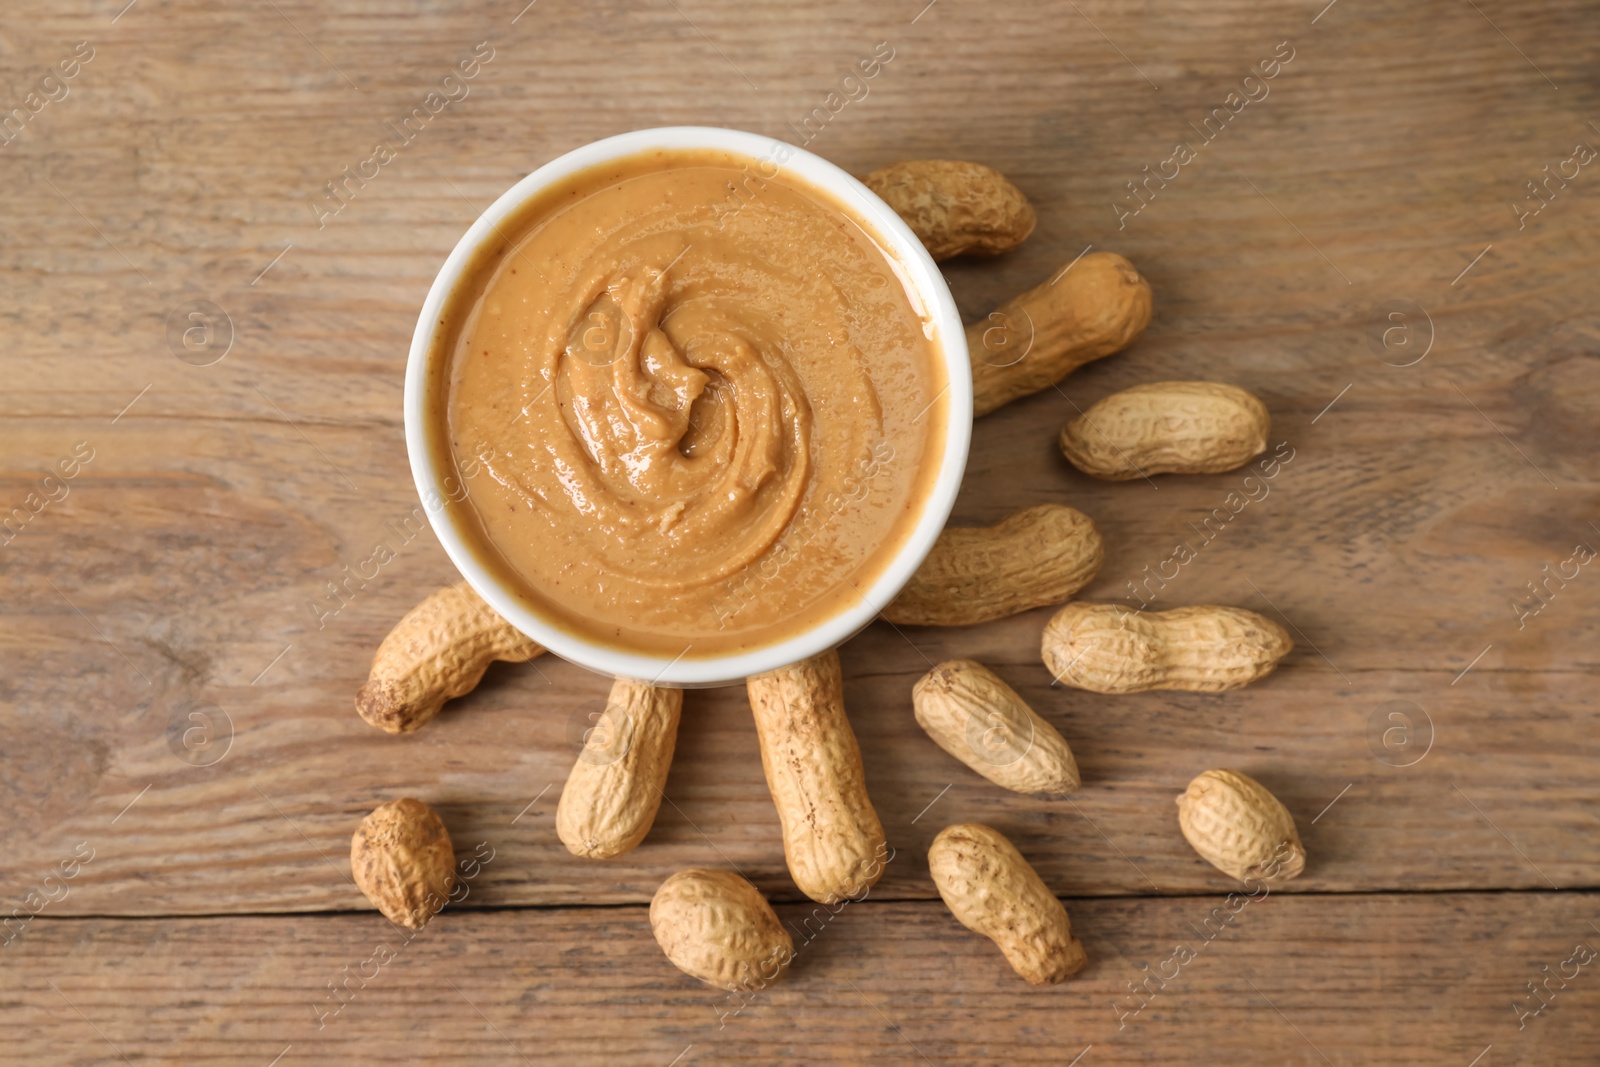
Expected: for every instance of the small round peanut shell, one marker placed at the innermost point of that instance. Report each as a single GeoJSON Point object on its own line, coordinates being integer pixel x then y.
{"type": "Point", "coordinates": [401, 858]}
{"type": "Point", "coordinates": [1240, 828]}
{"type": "Point", "coordinates": [715, 926]}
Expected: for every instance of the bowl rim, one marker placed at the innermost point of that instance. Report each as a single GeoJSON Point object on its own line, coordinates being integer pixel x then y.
{"type": "Point", "coordinates": [924, 282]}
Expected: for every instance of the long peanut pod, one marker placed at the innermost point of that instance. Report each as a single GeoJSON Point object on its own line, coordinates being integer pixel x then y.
{"type": "Point", "coordinates": [1095, 307]}
{"type": "Point", "coordinates": [438, 652]}
{"type": "Point", "coordinates": [1041, 555]}
{"type": "Point", "coordinates": [615, 789]}
{"type": "Point", "coordinates": [832, 838]}
{"type": "Point", "coordinates": [1105, 648]}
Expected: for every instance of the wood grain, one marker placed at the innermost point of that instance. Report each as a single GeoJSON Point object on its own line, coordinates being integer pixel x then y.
{"type": "Point", "coordinates": [1352, 979]}
{"type": "Point", "coordinates": [177, 684]}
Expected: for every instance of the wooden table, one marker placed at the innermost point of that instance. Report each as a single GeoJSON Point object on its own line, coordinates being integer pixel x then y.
{"type": "Point", "coordinates": [183, 304]}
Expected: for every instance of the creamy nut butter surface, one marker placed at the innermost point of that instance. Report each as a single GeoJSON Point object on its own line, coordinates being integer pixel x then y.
{"type": "Point", "coordinates": [694, 407]}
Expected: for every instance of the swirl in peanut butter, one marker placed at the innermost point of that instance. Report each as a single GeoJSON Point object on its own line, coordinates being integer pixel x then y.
{"type": "Point", "coordinates": [703, 422]}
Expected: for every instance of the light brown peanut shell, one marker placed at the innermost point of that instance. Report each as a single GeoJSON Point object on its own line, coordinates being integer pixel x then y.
{"type": "Point", "coordinates": [615, 788]}
{"type": "Point", "coordinates": [1240, 828]}
{"type": "Point", "coordinates": [1039, 556]}
{"type": "Point", "coordinates": [1167, 428]}
{"type": "Point", "coordinates": [1105, 648]}
{"type": "Point", "coordinates": [981, 721]}
{"type": "Point", "coordinates": [715, 926]}
{"type": "Point", "coordinates": [438, 652]}
{"type": "Point", "coordinates": [992, 890]}
{"type": "Point", "coordinates": [955, 207]}
{"type": "Point", "coordinates": [1096, 307]}
{"type": "Point", "coordinates": [401, 858]}
{"type": "Point", "coordinates": [832, 838]}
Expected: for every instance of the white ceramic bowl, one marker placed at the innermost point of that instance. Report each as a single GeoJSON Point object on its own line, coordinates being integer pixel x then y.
{"type": "Point", "coordinates": [925, 285]}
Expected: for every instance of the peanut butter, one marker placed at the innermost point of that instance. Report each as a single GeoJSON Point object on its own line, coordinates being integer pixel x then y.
{"type": "Point", "coordinates": [698, 409]}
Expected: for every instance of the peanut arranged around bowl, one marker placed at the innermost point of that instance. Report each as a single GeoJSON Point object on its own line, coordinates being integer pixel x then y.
{"type": "Point", "coordinates": [666, 372]}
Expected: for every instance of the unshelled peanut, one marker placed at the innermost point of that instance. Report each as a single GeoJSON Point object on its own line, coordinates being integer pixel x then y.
{"type": "Point", "coordinates": [1167, 428]}
{"type": "Point", "coordinates": [401, 858]}
{"type": "Point", "coordinates": [955, 207]}
{"type": "Point", "coordinates": [832, 838]}
{"type": "Point", "coordinates": [1240, 828]}
{"type": "Point", "coordinates": [1095, 307]}
{"type": "Point", "coordinates": [438, 652]}
{"type": "Point", "coordinates": [717, 927]}
{"type": "Point", "coordinates": [992, 890]}
{"type": "Point", "coordinates": [981, 721]}
{"type": "Point", "coordinates": [1039, 556]}
{"type": "Point", "coordinates": [1105, 648]}
{"type": "Point", "coordinates": [615, 788]}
